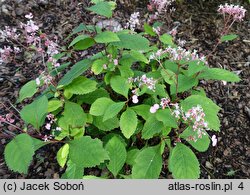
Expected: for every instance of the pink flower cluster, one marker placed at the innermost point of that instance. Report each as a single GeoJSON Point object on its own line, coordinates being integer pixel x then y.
{"type": "Point", "coordinates": [164, 103]}
{"type": "Point", "coordinates": [143, 81]}
{"type": "Point", "coordinates": [235, 11]}
{"type": "Point", "coordinates": [8, 118]}
{"type": "Point", "coordinates": [160, 5]}
{"type": "Point", "coordinates": [133, 21]}
{"type": "Point", "coordinates": [9, 33]}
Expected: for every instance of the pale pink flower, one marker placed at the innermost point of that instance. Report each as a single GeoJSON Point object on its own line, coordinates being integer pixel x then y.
{"type": "Point", "coordinates": [38, 82]}
{"type": "Point", "coordinates": [236, 11]}
{"type": "Point", "coordinates": [48, 126]}
{"type": "Point", "coordinates": [214, 140]}
{"type": "Point", "coordinates": [154, 108]}
{"type": "Point", "coordinates": [29, 16]}
{"type": "Point", "coordinates": [115, 62]}
{"type": "Point", "coordinates": [135, 99]}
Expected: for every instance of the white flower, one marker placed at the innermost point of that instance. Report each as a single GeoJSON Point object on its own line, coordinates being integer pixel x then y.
{"type": "Point", "coordinates": [154, 108]}
{"type": "Point", "coordinates": [29, 16]}
{"type": "Point", "coordinates": [214, 140]}
{"type": "Point", "coordinates": [135, 99]}
{"type": "Point", "coordinates": [48, 126]}
{"type": "Point", "coordinates": [38, 82]}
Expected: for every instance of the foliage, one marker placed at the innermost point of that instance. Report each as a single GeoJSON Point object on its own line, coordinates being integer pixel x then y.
{"type": "Point", "coordinates": [138, 93]}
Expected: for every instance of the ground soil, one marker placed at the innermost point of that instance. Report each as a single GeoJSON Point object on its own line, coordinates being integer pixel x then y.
{"type": "Point", "coordinates": [199, 26]}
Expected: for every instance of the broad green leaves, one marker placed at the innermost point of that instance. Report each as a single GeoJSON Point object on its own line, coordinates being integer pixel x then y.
{"type": "Point", "coordinates": [117, 154]}
{"type": "Point", "coordinates": [128, 123]}
{"type": "Point", "coordinates": [28, 90]}
{"type": "Point", "coordinates": [120, 85]}
{"type": "Point", "coordinates": [102, 8]}
{"type": "Point", "coordinates": [219, 74]}
{"type": "Point", "coordinates": [54, 104]}
{"type": "Point", "coordinates": [210, 109]}
{"type": "Point", "coordinates": [19, 152]}
{"type": "Point", "coordinates": [62, 155]}
{"type": "Point", "coordinates": [134, 42]}
{"type": "Point", "coordinates": [81, 85]}
{"type": "Point", "coordinates": [99, 107]}
{"type": "Point", "coordinates": [106, 125]}
{"type": "Point", "coordinates": [106, 37]}
{"type": "Point", "coordinates": [87, 152]}
{"type": "Point", "coordinates": [113, 110]}
{"type": "Point", "coordinates": [183, 163]}
{"type": "Point", "coordinates": [166, 39]}
{"type": "Point", "coordinates": [76, 70]}
{"type": "Point", "coordinates": [35, 112]}
{"type": "Point", "coordinates": [148, 164]}
{"type": "Point", "coordinates": [151, 127]}
{"type": "Point", "coordinates": [167, 118]}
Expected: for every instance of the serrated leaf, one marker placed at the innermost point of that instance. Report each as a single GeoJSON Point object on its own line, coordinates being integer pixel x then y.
{"type": "Point", "coordinates": [128, 123]}
{"type": "Point", "coordinates": [131, 156]}
{"type": "Point", "coordinates": [201, 144]}
{"type": "Point", "coordinates": [183, 163]}
{"type": "Point", "coordinates": [107, 125]}
{"type": "Point", "coordinates": [148, 164]}
{"type": "Point", "coordinates": [90, 98]}
{"type": "Point", "coordinates": [87, 152]}
{"type": "Point", "coordinates": [73, 171]}
{"type": "Point", "coordinates": [54, 104]}
{"type": "Point", "coordinates": [81, 85]}
{"type": "Point", "coordinates": [142, 110]}
{"type": "Point", "coordinates": [168, 76]}
{"type": "Point", "coordinates": [97, 66]}
{"type": "Point", "coordinates": [151, 127]}
{"type": "Point", "coordinates": [184, 83]}
{"type": "Point", "coordinates": [27, 91]}
{"type": "Point", "coordinates": [106, 37]}
{"type": "Point", "coordinates": [77, 39]}
{"type": "Point", "coordinates": [102, 8]}
{"type": "Point", "coordinates": [76, 70]}
{"type": "Point", "coordinates": [139, 56]}
{"type": "Point", "coordinates": [99, 107]}
{"type": "Point", "coordinates": [228, 37]}
{"type": "Point", "coordinates": [84, 44]}
{"type": "Point", "coordinates": [73, 115]}
{"type": "Point", "coordinates": [166, 39]}
{"type": "Point", "coordinates": [120, 85]}
{"type": "Point", "coordinates": [219, 74]}
{"type": "Point", "coordinates": [210, 109]}
{"type": "Point", "coordinates": [19, 152]}
{"type": "Point", "coordinates": [134, 42]}
{"type": "Point", "coordinates": [117, 155]}
{"type": "Point", "coordinates": [62, 155]}
{"type": "Point", "coordinates": [167, 118]}
{"type": "Point", "coordinates": [35, 112]}
{"type": "Point", "coordinates": [149, 30]}
{"type": "Point", "coordinates": [113, 110]}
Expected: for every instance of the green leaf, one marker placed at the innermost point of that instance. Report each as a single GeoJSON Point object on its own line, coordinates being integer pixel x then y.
{"type": "Point", "coordinates": [113, 110]}
{"type": "Point", "coordinates": [97, 66]}
{"type": "Point", "coordinates": [219, 74]}
{"type": "Point", "coordinates": [28, 90]}
{"type": "Point", "coordinates": [228, 37]}
{"type": "Point", "coordinates": [73, 115]}
{"type": "Point", "coordinates": [77, 39]}
{"type": "Point", "coordinates": [131, 156]}
{"type": "Point", "coordinates": [35, 112]}
{"type": "Point", "coordinates": [38, 143]}
{"type": "Point", "coordinates": [168, 76]}
{"type": "Point", "coordinates": [134, 42]}
{"type": "Point", "coordinates": [90, 98]}
{"type": "Point", "coordinates": [120, 85]}
{"type": "Point", "coordinates": [184, 83]}
{"type": "Point", "coordinates": [54, 104]}
{"type": "Point", "coordinates": [149, 30]}
{"type": "Point", "coordinates": [106, 37]}
{"type": "Point", "coordinates": [102, 8]}
{"type": "Point", "coordinates": [126, 71]}
{"type": "Point", "coordinates": [107, 125]}
{"type": "Point", "coordinates": [117, 154]}
{"type": "Point", "coordinates": [151, 127]}
{"type": "Point", "coordinates": [76, 70]}
{"type": "Point", "coordinates": [73, 171]}
{"type": "Point", "coordinates": [84, 44]}
{"type": "Point", "coordinates": [167, 118]}
{"type": "Point", "coordinates": [87, 152]}
{"type": "Point", "coordinates": [99, 107]}
{"type": "Point", "coordinates": [142, 110]}
{"type": "Point", "coordinates": [81, 85]}
{"type": "Point", "coordinates": [210, 109]}
{"type": "Point", "coordinates": [195, 67]}
{"type": "Point", "coordinates": [139, 56]}
{"type": "Point", "coordinates": [128, 123]}
{"type": "Point", "coordinates": [148, 164]}
{"type": "Point", "coordinates": [183, 163]}
{"type": "Point", "coordinates": [166, 39]}
{"type": "Point", "coordinates": [19, 152]}
{"type": "Point", "coordinates": [201, 144]}
{"type": "Point", "coordinates": [62, 155]}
